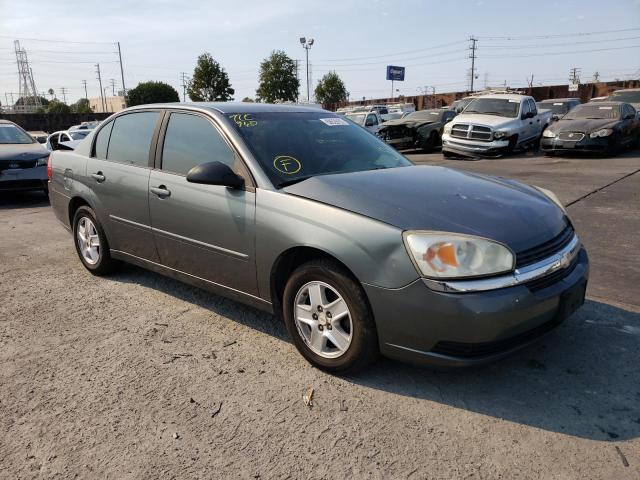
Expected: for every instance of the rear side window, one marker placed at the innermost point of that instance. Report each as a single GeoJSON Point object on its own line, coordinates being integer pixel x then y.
{"type": "Point", "coordinates": [102, 141]}
{"type": "Point", "coordinates": [191, 140]}
{"type": "Point", "coordinates": [131, 136]}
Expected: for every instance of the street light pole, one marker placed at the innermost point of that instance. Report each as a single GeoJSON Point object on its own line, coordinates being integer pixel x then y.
{"type": "Point", "coordinates": [306, 44]}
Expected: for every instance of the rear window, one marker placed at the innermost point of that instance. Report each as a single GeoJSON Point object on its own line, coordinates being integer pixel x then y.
{"type": "Point", "coordinates": [10, 134]}
{"type": "Point", "coordinates": [131, 138]}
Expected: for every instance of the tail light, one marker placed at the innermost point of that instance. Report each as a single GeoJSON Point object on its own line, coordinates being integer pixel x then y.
{"type": "Point", "coordinates": [49, 167]}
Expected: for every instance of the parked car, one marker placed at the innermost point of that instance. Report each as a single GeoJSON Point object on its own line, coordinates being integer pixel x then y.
{"type": "Point", "coordinates": [605, 127]}
{"type": "Point", "coordinates": [493, 125]}
{"type": "Point", "coordinates": [558, 106]}
{"type": "Point", "coordinates": [629, 95]}
{"type": "Point", "coordinates": [422, 129]}
{"type": "Point", "coordinates": [300, 212]}
{"type": "Point", "coordinates": [459, 105]}
{"type": "Point", "coordinates": [39, 135]}
{"type": "Point", "coordinates": [86, 125]}
{"type": "Point", "coordinates": [23, 161]}
{"type": "Point", "coordinates": [371, 120]}
{"type": "Point", "coordinates": [66, 139]}
{"type": "Point", "coordinates": [599, 99]}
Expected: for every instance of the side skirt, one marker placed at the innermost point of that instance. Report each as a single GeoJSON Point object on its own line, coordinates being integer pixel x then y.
{"type": "Point", "coordinates": [207, 285]}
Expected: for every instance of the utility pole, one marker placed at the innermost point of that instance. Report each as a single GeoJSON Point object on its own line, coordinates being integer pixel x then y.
{"type": "Point", "coordinates": [99, 77]}
{"type": "Point", "coordinates": [63, 91]}
{"type": "Point", "coordinates": [596, 76]}
{"type": "Point", "coordinates": [184, 86]}
{"type": "Point", "coordinates": [124, 90]}
{"type": "Point", "coordinates": [84, 84]}
{"type": "Point", "coordinates": [574, 75]}
{"type": "Point", "coordinates": [472, 56]}
{"type": "Point", "coordinates": [113, 86]}
{"type": "Point", "coordinates": [297, 78]}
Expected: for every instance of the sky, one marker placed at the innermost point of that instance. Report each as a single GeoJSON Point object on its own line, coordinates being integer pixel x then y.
{"type": "Point", "coordinates": [356, 38]}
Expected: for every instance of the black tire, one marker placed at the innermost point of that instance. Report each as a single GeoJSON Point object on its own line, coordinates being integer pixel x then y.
{"type": "Point", "coordinates": [363, 350]}
{"type": "Point", "coordinates": [513, 142]}
{"type": "Point", "coordinates": [105, 264]}
{"type": "Point", "coordinates": [447, 154]}
{"type": "Point", "coordinates": [432, 142]}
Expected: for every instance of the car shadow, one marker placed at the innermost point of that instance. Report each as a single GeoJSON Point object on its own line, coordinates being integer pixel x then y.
{"type": "Point", "coordinates": [11, 200]}
{"type": "Point", "coordinates": [582, 379]}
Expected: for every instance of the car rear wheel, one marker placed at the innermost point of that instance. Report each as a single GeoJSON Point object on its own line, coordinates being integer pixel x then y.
{"type": "Point", "coordinates": [91, 242]}
{"type": "Point", "coordinates": [329, 319]}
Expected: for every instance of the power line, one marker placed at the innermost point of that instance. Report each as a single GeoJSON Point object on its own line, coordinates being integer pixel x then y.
{"type": "Point", "coordinates": [49, 40]}
{"type": "Point", "coordinates": [393, 54]}
{"type": "Point", "coordinates": [559, 44]}
{"type": "Point", "coordinates": [561, 35]}
{"type": "Point", "coordinates": [560, 53]}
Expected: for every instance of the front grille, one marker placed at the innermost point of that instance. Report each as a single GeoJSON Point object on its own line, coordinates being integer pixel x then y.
{"type": "Point", "coordinates": [548, 280]}
{"type": "Point", "coordinates": [7, 164]}
{"type": "Point", "coordinates": [571, 136]}
{"type": "Point", "coordinates": [546, 249]}
{"type": "Point", "coordinates": [470, 350]}
{"type": "Point", "coordinates": [392, 133]}
{"type": "Point", "coordinates": [472, 132]}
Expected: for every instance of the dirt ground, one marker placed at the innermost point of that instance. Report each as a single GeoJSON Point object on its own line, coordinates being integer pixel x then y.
{"type": "Point", "coordinates": [139, 376]}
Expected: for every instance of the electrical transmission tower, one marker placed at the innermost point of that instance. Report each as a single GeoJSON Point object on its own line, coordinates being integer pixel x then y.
{"type": "Point", "coordinates": [63, 91]}
{"type": "Point", "coordinates": [112, 82]}
{"type": "Point", "coordinates": [574, 75]}
{"type": "Point", "coordinates": [27, 87]}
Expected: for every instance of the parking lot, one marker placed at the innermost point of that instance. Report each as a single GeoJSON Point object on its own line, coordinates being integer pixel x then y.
{"type": "Point", "coordinates": [140, 376]}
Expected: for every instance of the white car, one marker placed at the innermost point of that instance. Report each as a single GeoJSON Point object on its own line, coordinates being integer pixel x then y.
{"type": "Point", "coordinates": [495, 124]}
{"type": "Point", "coordinates": [66, 139]}
{"type": "Point", "coordinates": [372, 121]}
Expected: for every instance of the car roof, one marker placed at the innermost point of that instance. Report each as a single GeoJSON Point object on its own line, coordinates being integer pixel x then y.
{"type": "Point", "coordinates": [7, 121]}
{"type": "Point", "coordinates": [505, 96]}
{"type": "Point", "coordinates": [627, 90]}
{"type": "Point", "coordinates": [550, 100]}
{"type": "Point", "coordinates": [236, 107]}
{"type": "Point", "coordinates": [609, 103]}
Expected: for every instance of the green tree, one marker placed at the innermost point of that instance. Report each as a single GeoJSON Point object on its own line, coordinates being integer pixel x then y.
{"type": "Point", "coordinates": [81, 106]}
{"type": "Point", "coordinates": [56, 106]}
{"type": "Point", "coordinates": [331, 89]}
{"type": "Point", "coordinates": [43, 101]}
{"type": "Point", "coordinates": [152, 92]}
{"type": "Point", "coordinates": [248, 100]}
{"type": "Point", "coordinates": [210, 82]}
{"type": "Point", "coordinates": [278, 79]}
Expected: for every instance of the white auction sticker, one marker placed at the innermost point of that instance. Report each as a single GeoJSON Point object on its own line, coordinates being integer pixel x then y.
{"type": "Point", "coordinates": [333, 121]}
{"type": "Point", "coordinates": [6, 125]}
{"type": "Point", "coordinates": [514, 101]}
{"type": "Point", "coordinates": [605, 108]}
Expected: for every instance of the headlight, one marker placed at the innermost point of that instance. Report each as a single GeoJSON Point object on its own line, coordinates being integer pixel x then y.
{"type": "Point", "coordinates": [42, 161]}
{"type": "Point", "coordinates": [551, 196]}
{"type": "Point", "coordinates": [500, 134]}
{"type": "Point", "coordinates": [452, 255]}
{"type": "Point", "coordinates": [447, 129]}
{"type": "Point", "coordinates": [603, 132]}
{"type": "Point", "coordinates": [548, 134]}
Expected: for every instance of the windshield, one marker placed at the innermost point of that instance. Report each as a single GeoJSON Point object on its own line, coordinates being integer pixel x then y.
{"type": "Point", "coordinates": [433, 115]}
{"type": "Point", "coordinates": [294, 146]}
{"type": "Point", "coordinates": [12, 134]}
{"type": "Point", "coordinates": [596, 112]}
{"type": "Point", "coordinates": [358, 118]}
{"type": "Point", "coordinates": [79, 134]}
{"type": "Point", "coordinates": [494, 106]}
{"type": "Point", "coordinates": [558, 108]}
{"type": "Point", "coordinates": [632, 96]}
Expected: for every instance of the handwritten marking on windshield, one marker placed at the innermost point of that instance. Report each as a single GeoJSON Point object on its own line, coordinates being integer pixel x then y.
{"type": "Point", "coordinates": [243, 120]}
{"type": "Point", "coordinates": [287, 165]}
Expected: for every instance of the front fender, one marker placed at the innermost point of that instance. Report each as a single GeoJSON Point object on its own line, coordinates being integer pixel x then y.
{"type": "Point", "coordinates": [372, 250]}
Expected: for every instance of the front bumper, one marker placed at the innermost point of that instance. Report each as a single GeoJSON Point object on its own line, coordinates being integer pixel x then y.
{"type": "Point", "coordinates": [419, 325]}
{"type": "Point", "coordinates": [23, 179]}
{"type": "Point", "coordinates": [598, 144]}
{"type": "Point", "coordinates": [474, 148]}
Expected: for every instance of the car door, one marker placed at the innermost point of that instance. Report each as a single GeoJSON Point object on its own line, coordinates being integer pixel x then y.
{"type": "Point", "coordinates": [204, 230]}
{"type": "Point", "coordinates": [118, 174]}
{"type": "Point", "coordinates": [535, 121]}
{"type": "Point", "coordinates": [371, 123]}
{"type": "Point", "coordinates": [629, 124]}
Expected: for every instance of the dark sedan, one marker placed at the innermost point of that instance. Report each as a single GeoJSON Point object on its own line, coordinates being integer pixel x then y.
{"type": "Point", "coordinates": [23, 161]}
{"type": "Point", "coordinates": [559, 106]}
{"type": "Point", "coordinates": [421, 129]}
{"type": "Point", "coordinates": [602, 127]}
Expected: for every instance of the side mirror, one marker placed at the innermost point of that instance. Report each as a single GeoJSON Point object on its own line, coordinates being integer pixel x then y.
{"type": "Point", "coordinates": [629, 116]}
{"type": "Point", "coordinates": [459, 109]}
{"type": "Point", "coordinates": [215, 173]}
{"type": "Point", "coordinates": [527, 115]}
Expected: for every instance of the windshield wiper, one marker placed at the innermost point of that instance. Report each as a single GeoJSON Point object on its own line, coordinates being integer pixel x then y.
{"type": "Point", "coordinates": [286, 183]}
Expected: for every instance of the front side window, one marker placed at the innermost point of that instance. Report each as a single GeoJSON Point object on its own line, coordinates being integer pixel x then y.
{"type": "Point", "coordinates": [371, 121]}
{"type": "Point", "coordinates": [291, 146]}
{"type": "Point", "coordinates": [10, 134]}
{"type": "Point", "coordinates": [102, 141]}
{"type": "Point", "coordinates": [532, 106]}
{"type": "Point", "coordinates": [501, 107]}
{"type": "Point", "coordinates": [192, 140]}
{"type": "Point", "coordinates": [131, 137]}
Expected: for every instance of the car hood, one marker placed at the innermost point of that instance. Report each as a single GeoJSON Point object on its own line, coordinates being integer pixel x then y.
{"type": "Point", "coordinates": [479, 119]}
{"type": "Point", "coordinates": [582, 125]}
{"type": "Point", "coordinates": [407, 123]}
{"type": "Point", "coordinates": [442, 199]}
{"type": "Point", "coordinates": [28, 151]}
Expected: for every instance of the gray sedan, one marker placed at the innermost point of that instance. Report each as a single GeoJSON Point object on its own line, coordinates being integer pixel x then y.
{"type": "Point", "coordinates": [301, 213]}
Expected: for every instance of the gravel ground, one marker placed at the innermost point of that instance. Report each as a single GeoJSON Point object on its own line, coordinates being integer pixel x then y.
{"type": "Point", "coordinates": [139, 376]}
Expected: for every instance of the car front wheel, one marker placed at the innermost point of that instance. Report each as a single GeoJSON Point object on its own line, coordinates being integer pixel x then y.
{"type": "Point", "coordinates": [91, 242]}
{"type": "Point", "coordinates": [329, 319]}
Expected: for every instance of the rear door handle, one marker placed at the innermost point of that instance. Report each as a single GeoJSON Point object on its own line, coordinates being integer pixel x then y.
{"type": "Point", "coordinates": [98, 177]}
{"type": "Point", "coordinates": [160, 191]}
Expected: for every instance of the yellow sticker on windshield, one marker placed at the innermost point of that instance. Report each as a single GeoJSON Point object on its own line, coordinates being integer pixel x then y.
{"type": "Point", "coordinates": [243, 120]}
{"type": "Point", "coordinates": [287, 165]}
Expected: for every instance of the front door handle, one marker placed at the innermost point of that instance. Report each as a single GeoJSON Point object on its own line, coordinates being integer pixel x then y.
{"type": "Point", "coordinates": [98, 177]}
{"type": "Point", "coordinates": [160, 191]}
